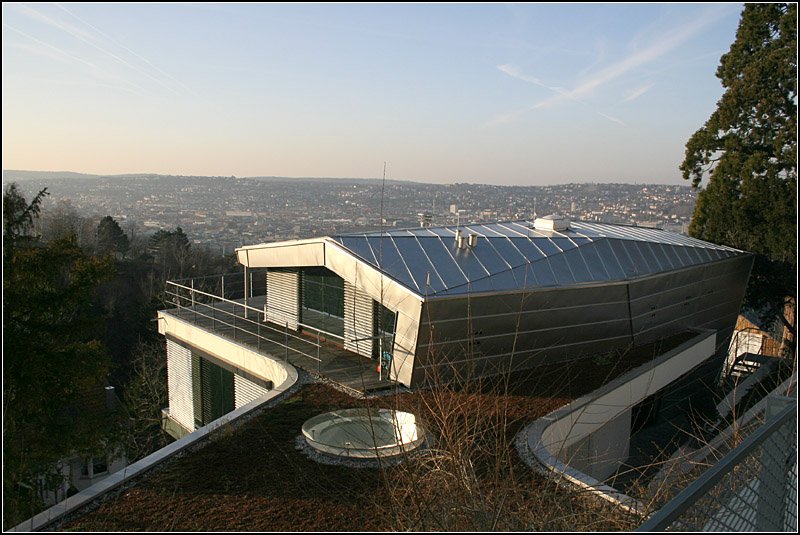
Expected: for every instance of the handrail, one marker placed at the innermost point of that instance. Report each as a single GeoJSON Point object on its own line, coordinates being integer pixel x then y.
{"type": "Point", "coordinates": [665, 516]}
{"type": "Point", "coordinates": [217, 297]}
{"type": "Point", "coordinates": [252, 327]}
{"type": "Point", "coordinates": [320, 331]}
{"type": "Point", "coordinates": [223, 311]}
{"type": "Point", "coordinates": [251, 331]}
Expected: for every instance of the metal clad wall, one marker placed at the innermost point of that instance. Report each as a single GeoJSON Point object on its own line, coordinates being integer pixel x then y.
{"type": "Point", "coordinates": [498, 333]}
{"type": "Point", "coordinates": [179, 379]}
{"type": "Point", "coordinates": [495, 333]}
{"type": "Point", "coordinates": [358, 320]}
{"type": "Point", "coordinates": [246, 391]}
{"type": "Point", "coordinates": [707, 296]}
{"type": "Point", "coordinates": [283, 297]}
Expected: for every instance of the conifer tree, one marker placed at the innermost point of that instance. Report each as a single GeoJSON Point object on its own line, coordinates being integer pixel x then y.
{"type": "Point", "coordinates": [748, 152]}
{"type": "Point", "coordinates": [111, 238]}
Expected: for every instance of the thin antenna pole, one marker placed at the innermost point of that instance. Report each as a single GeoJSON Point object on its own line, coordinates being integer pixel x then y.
{"type": "Point", "coordinates": [380, 267]}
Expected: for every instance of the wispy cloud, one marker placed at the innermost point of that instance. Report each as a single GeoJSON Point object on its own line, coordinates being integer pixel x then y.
{"type": "Point", "coordinates": [55, 53]}
{"type": "Point", "coordinates": [670, 41]}
{"type": "Point", "coordinates": [610, 118]}
{"type": "Point", "coordinates": [140, 57]}
{"type": "Point", "coordinates": [91, 40]}
{"type": "Point", "coordinates": [638, 92]}
{"type": "Point", "coordinates": [51, 50]}
{"type": "Point", "coordinates": [514, 72]}
{"type": "Point", "coordinates": [63, 26]}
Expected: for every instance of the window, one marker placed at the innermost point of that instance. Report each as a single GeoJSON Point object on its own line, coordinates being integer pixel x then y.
{"type": "Point", "coordinates": [322, 300]}
{"type": "Point", "coordinates": [94, 467]}
{"type": "Point", "coordinates": [385, 323]}
{"type": "Point", "coordinates": [212, 391]}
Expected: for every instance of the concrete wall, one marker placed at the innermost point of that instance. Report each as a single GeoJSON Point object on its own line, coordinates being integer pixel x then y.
{"type": "Point", "coordinates": [600, 454]}
{"type": "Point", "coordinates": [253, 372]}
{"type": "Point", "coordinates": [591, 434]}
{"type": "Point", "coordinates": [235, 355]}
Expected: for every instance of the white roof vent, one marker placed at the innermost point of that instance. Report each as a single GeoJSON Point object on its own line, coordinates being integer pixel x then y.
{"type": "Point", "coordinates": [551, 222]}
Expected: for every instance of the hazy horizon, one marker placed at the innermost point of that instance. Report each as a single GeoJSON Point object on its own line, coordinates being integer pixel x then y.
{"type": "Point", "coordinates": [519, 94]}
{"type": "Point", "coordinates": [300, 178]}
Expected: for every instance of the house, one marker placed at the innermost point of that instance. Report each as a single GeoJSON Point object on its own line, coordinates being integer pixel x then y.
{"type": "Point", "coordinates": [401, 308]}
{"type": "Point", "coordinates": [406, 306]}
{"type": "Point", "coordinates": [749, 346]}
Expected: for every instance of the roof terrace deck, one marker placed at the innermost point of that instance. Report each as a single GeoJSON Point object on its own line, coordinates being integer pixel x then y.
{"type": "Point", "coordinates": [254, 478]}
{"type": "Point", "coordinates": [311, 349]}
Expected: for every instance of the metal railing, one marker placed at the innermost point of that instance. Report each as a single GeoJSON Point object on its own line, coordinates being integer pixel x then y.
{"type": "Point", "coordinates": [752, 488]}
{"type": "Point", "coordinates": [244, 322]}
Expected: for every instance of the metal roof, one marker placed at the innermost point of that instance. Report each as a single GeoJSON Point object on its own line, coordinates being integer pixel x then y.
{"type": "Point", "coordinates": [512, 255]}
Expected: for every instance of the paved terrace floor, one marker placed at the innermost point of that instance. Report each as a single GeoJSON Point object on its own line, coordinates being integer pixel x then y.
{"type": "Point", "coordinates": [335, 363]}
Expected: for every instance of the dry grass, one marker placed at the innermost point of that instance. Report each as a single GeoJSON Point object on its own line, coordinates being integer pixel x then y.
{"type": "Point", "coordinates": [470, 479]}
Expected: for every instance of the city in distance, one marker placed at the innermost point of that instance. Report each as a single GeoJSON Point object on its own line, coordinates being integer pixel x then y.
{"type": "Point", "coordinates": [226, 212]}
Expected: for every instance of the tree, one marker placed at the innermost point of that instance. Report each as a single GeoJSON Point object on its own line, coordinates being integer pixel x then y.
{"type": "Point", "coordinates": [18, 217]}
{"type": "Point", "coordinates": [748, 151]}
{"type": "Point", "coordinates": [111, 238]}
{"type": "Point", "coordinates": [172, 250]}
{"type": "Point", "coordinates": [145, 396]}
{"type": "Point", "coordinates": [54, 368]}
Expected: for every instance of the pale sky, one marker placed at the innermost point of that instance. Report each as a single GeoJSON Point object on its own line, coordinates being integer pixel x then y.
{"type": "Point", "coordinates": [523, 94]}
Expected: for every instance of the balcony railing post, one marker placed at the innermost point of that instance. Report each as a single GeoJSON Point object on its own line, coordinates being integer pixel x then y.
{"type": "Point", "coordinates": [319, 361]}
{"type": "Point", "coordinates": [234, 321]}
{"type": "Point", "coordinates": [194, 308]}
{"type": "Point", "coordinates": [222, 277]}
{"type": "Point", "coordinates": [286, 340]}
{"type": "Point", "coordinates": [245, 292]}
{"type": "Point", "coordinates": [258, 335]}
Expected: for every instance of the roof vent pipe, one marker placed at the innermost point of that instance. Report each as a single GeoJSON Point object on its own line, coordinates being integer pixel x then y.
{"type": "Point", "coordinates": [458, 234]}
{"type": "Point", "coordinates": [462, 242]}
{"type": "Point", "coordinates": [473, 240]}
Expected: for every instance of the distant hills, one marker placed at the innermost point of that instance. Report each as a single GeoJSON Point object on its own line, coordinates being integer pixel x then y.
{"type": "Point", "coordinates": [13, 174]}
{"type": "Point", "coordinates": [10, 175]}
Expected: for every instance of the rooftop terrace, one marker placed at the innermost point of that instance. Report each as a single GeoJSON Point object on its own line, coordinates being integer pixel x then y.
{"type": "Point", "coordinates": [255, 478]}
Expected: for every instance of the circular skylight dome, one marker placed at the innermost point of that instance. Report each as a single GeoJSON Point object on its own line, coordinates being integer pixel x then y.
{"type": "Point", "coordinates": [363, 433]}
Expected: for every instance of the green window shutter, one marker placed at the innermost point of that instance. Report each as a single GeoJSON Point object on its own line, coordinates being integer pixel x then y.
{"type": "Point", "coordinates": [213, 391]}
{"type": "Point", "coordinates": [197, 391]}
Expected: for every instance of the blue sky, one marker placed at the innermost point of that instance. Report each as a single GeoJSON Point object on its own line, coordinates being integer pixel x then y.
{"type": "Point", "coordinates": [524, 94]}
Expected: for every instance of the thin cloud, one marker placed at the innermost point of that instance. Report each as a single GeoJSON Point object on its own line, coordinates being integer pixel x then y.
{"type": "Point", "coordinates": [52, 51]}
{"type": "Point", "coordinates": [514, 72]}
{"type": "Point", "coordinates": [638, 92]}
{"type": "Point", "coordinates": [106, 36]}
{"type": "Point", "coordinates": [637, 59]}
{"type": "Point", "coordinates": [90, 40]}
{"type": "Point", "coordinates": [62, 54]}
{"type": "Point", "coordinates": [63, 26]}
{"type": "Point", "coordinates": [612, 119]}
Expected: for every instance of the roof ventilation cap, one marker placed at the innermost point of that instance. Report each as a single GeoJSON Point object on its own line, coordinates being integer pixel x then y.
{"type": "Point", "coordinates": [551, 222]}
